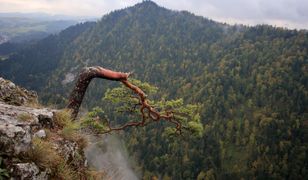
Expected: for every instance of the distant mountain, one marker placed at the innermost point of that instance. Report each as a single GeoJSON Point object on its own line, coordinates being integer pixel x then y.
{"type": "Point", "coordinates": [20, 27]}
{"type": "Point", "coordinates": [46, 17]}
{"type": "Point", "coordinates": [250, 82]}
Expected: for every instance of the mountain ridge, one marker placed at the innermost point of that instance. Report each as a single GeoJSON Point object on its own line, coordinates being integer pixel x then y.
{"type": "Point", "coordinates": [250, 83]}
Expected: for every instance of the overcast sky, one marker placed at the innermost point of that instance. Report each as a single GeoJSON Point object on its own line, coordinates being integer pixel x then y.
{"type": "Point", "coordinates": [285, 13]}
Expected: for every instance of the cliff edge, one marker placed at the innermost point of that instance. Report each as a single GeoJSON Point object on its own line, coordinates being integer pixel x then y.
{"type": "Point", "coordinates": [37, 142]}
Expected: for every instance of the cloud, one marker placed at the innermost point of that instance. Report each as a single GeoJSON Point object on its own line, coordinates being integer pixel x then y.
{"type": "Point", "coordinates": [66, 7]}
{"type": "Point", "coordinates": [288, 13]}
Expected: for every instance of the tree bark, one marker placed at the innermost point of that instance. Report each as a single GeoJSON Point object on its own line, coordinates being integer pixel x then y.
{"type": "Point", "coordinates": [83, 81]}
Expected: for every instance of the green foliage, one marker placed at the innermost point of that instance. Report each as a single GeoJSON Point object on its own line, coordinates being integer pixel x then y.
{"type": "Point", "coordinates": [94, 120]}
{"type": "Point", "coordinates": [250, 85]}
{"type": "Point", "coordinates": [126, 102]}
{"type": "Point", "coordinates": [4, 174]}
{"type": "Point", "coordinates": [70, 130]}
{"type": "Point", "coordinates": [44, 57]}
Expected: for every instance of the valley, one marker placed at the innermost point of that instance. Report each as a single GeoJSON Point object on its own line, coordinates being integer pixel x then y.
{"type": "Point", "coordinates": [250, 84]}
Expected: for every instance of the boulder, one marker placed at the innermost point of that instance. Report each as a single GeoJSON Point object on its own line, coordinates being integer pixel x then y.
{"type": "Point", "coordinates": [40, 134]}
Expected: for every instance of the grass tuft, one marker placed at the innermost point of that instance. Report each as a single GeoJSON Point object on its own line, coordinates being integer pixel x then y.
{"type": "Point", "coordinates": [44, 154]}
{"type": "Point", "coordinates": [70, 129]}
{"type": "Point", "coordinates": [25, 117]}
{"type": "Point", "coordinates": [64, 171]}
{"type": "Point", "coordinates": [62, 118]}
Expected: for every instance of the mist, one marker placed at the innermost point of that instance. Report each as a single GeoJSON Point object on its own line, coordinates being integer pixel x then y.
{"type": "Point", "coordinates": [108, 154]}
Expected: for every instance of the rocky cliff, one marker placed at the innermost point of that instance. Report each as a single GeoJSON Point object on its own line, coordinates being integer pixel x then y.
{"type": "Point", "coordinates": [36, 142]}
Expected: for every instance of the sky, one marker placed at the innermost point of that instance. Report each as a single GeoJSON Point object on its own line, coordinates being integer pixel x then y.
{"type": "Point", "coordinates": [283, 13]}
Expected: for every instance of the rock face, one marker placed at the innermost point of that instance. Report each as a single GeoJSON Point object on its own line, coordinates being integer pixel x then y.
{"type": "Point", "coordinates": [15, 95]}
{"type": "Point", "coordinates": [29, 171]}
{"type": "Point", "coordinates": [16, 124]}
{"type": "Point", "coordinates": [20, 122]}
{"type": "Point", "coordinates": [40, 134]}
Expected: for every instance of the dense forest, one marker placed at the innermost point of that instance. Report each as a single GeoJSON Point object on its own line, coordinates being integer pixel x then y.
{"type": "Point", "coordinates": [250, 83]}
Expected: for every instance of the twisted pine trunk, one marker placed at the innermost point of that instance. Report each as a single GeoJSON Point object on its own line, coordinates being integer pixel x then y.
{"type": "Point", "coordinates": [83, 81]}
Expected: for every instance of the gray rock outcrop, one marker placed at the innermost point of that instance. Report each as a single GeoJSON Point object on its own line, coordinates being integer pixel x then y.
{"type": "Point", "coordinates": [16, 123]}
{"type": "Point", "coordinates": [15, 95]}
{"type": "Point", "coordinates": [29, 171]}
{"type": "Point", "coordinates": [21, 120]}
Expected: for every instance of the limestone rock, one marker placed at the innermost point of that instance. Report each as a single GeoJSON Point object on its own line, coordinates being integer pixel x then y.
{"type": "Point", "coordinates": [15, 95]}
{"type": "Point", "coordinates": [40, 134]}
{"type": "Point", "coordinates": [16, 123]}
{"type": "Point", "coordinates": [20, 122]}
{"type": "Point", "coordinates": [29, 171]}
{"type": "Point", "coordinates": [71, 153]}
{"type": "Point", "coordinates": [14, 139]}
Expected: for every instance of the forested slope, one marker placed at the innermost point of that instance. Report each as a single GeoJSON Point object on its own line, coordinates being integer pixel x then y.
{"type": "Point", "coordinates": [251, 84]}
{"type": "Point", "coordinates": [31, 66]}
